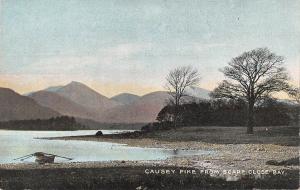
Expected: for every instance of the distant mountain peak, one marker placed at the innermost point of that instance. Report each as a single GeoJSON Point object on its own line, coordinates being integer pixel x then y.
{"type": "Point", "coordinates": [86, 96]}
{"type": "Point", "coordinates": [76, 83]}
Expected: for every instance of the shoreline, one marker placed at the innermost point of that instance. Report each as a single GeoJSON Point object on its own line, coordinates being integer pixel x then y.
{"type": "Point", "coordinates": [233, 155]}
{"type": "Point", "coordinates": [227, 157]}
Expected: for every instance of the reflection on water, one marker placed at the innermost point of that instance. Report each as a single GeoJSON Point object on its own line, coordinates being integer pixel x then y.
{"type": "Point", "coordinates": [15, 144]}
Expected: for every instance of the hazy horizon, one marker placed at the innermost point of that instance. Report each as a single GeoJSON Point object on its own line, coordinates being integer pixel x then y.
{"type": "Point", "coordinates": [130, 46]}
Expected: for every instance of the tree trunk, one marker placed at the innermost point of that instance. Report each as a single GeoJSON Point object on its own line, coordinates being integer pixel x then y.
{"type": "Point", "coordinates": [176, 111]}
{"type": "Point", "coordinates": [298, 115]}
{"type": "Point", "coordinates": [176, 116]}
{"type": "Point", "coordinates": [250, 123]}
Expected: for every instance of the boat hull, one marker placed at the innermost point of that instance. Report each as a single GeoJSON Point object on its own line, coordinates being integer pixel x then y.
{"type": "Point", "coordinates": [44, 159]}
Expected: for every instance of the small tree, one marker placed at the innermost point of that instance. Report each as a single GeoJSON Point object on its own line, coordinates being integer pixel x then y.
{"type": "Point", "coordinates": [253, 75]}
{"type": "Point", "coordinates": [177, 82]}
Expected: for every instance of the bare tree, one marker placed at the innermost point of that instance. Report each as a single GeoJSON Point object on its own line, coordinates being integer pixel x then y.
{"type": "Point", "coordinates": [253, 75]}
{"type": "Point", "coordinates": [177, 82]}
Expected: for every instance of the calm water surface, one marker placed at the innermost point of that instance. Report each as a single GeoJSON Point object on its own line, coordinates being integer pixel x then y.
{"type": "Point", "coordinates": [14, 144]}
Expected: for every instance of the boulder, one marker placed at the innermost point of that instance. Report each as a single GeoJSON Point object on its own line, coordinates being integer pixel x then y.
{"type": "Point", "coordinates": [99, 133]}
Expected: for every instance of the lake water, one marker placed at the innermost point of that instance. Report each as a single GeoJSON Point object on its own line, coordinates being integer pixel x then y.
{"type": "Point", "coordinates": [14, 144]}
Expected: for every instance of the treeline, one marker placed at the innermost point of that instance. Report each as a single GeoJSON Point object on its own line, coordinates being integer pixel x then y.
{"type": "Point", "coordinates": [56, 123]}
{"type": "Point", "coordinates": [269, 112]}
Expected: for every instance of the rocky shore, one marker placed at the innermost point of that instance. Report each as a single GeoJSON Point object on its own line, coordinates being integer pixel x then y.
{"type": "Point", "coordinates": [233, 155]}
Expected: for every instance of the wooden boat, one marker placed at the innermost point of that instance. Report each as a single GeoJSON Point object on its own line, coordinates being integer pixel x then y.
{"type": "Point", "coordinates": [43, 158]}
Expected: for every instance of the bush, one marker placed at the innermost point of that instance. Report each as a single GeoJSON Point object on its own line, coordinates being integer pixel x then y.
{"type": "Point", "coordinates": [227, 113]}
{"type": "Point", "coordinates": [157, 126]}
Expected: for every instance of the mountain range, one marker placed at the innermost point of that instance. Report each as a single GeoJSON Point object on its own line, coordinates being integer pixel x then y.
{"type": "Point", "coordinates": [78, 100]}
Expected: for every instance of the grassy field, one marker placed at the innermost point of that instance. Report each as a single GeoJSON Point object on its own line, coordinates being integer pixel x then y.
{"type": "Point", "coordinates": [279, 135]}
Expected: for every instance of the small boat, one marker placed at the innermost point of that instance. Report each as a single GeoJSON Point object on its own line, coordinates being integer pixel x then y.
{"type": "Point", "coordinates": [42, 158]}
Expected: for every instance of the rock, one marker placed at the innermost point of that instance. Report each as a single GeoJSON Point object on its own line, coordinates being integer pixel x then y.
{"type": "Point", "coordinates": [246, 159]}
{"type": "Point", "coordinates": [99, 133]}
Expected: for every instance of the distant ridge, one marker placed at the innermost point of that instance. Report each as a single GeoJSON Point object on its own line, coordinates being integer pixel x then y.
{"type": "Point", "coordinates": [125, 98]}
{"type": "Point", "coordinates": [145, 109]}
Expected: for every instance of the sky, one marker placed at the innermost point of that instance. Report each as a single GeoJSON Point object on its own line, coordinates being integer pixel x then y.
{"type": "Point", "coordinates": [120, 46]}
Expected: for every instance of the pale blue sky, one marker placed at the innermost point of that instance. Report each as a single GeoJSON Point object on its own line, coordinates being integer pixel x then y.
{"type": "Point", "coordinates": [130, 45]}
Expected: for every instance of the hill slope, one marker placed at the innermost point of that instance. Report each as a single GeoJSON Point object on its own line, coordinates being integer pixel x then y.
{"type": "Point", "coordinates": [61, 104]}
{"type": "Point", "coordinates": [142, 110]}
{"type": "Point", "coordinates": [14, 106]}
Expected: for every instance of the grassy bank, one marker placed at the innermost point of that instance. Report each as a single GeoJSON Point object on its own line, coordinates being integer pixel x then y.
{"type": "Point", "coordinates": [278, 135]}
